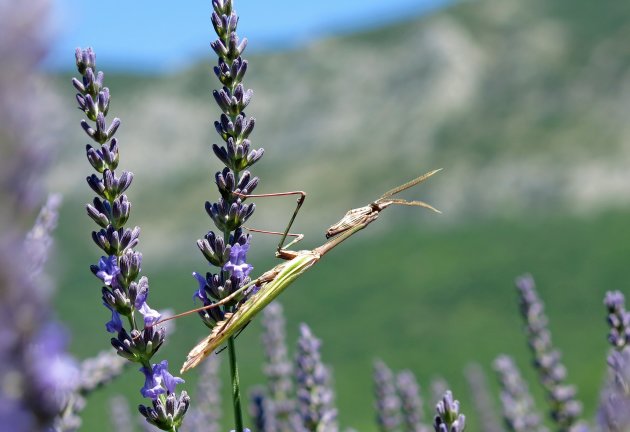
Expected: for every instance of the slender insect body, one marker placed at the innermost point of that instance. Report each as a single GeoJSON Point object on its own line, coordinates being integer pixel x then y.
{"type": "Point", "coordinates": [276, 280]}
{"type": "Point", "coordinates": [272, 283]}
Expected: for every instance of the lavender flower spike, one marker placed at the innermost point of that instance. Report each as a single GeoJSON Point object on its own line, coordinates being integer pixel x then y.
{"type": "Point", "coordinates": [36, 382]}
{"type": "Point", "coordinates": [448, 418]}
{"type": "Point", "coordinates": [277, 368]}
{"type": "Point", "coordinates": [387, 402]}
{"type": "Point", "coordinates": [565, 408]}
{"type": "Point", "coordinates": [481, 398]}
{"type": "Point", "coordinates": [618, 319]}
{"type": "Point", "coordinates": [411, 402]}
{"type": "Point", "coordinates": [614, 409]}
{"type": "Point", "coordinates": [206, 414]}
{"type": "Point", "coordinates": [314, 393]}
{"type": "Point", "coordinates": [122, 292]}
{"type": "Point", "coordinates": [519, 412]}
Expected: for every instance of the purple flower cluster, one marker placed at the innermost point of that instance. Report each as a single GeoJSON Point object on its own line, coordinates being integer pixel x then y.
{"type": "Point", "coordinates": [228, 249]}
{"type": "Point", "coordinates": [519, 412]}
{"type": "Point", "coordinates": [278, 368]}
{"type": "Point", "coordinates": [565, 408]}
{"type": "Point", "coordinates": [410, 402]}
{"type": "Point", "coordinates": [448, 418]}
{"type": "Point", "coordinates": [37, 374]}
{"type": "Point", "coordinates": [618, 319]}
{"type": "Point", "coordinates": [315, 396]}
{"type": "Point", "coordinates": [614, 409]}
{"type": "Point", "coordinates": [388, 405]}
{"type": "Point", "coordinates": [482, 400]}
{"type": "Point", "coordinates": [123, 293]}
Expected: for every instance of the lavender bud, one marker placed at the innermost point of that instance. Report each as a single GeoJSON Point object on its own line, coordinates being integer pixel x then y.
{"type": "Point", "coordinates": [116, 241]}
{"type": "Point", "coordinates": [214, 249]}
{"type": "Point", "coordinates": [166, 415]}
{"type": "Point", "coordinates": [618, 319]}
{"type": "Point", "coordinates": [130, 263]}
{"type": "Point", "coordinates": [140, 346]}
{"type": "Point", "coordinates": [448, 418]}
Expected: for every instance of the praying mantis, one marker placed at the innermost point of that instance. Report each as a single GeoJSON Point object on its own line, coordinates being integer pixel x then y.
{"type": "Point", "coordinates": [274, 281]}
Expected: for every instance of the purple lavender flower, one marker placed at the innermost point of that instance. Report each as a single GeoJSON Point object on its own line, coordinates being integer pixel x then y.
{"type": "Point", "coordinates": [262, 412]}
{"type": "Point", "coordinates": [448, 418]}
{"type": "Point", "coordinates": [122, 293]}
{"type": "Point", "coordinates": [120, 414]}
{"type": "Point", "coordinates": [614, 409]}
{"type": "Point", "coordinates": [158, 380]}
{"type": "Point", "coordinates": [565, 408]}
{"type": "Point", "coordinates": [107, 269]}
{"type": "Point", "coordinates": [481, 398]}
{"type": "Point", "coordinates": [237, 264]}
{"type": "Point", "coordinates": [387, 404]}
{"type": "Point", "coordinates": [314, 393]}
{"type": "Point", "coordinates": [227, 251]}
{"type": "Point", "coordinates": [519, 412]}
{"type": "Point", "coordinates": [206, 414]}
{"type": "Point", "coordinates": [410, 402]}
{"type": "Point", "coordinates": [618, 319]}
{"type": "Point", "coordinates": [166, 413]}
{"type": "Point", "coordinates": [28, 107]}
{"type": "Point", "coordinates": [278, 369]}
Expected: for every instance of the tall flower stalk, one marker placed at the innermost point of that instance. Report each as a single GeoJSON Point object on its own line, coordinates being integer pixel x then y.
{"type": "Point", "coordinates": [123, 293]}
{"type": "Point", "coordinates": [36, 373]}
{"type": "Point", "coordinates": [519, 411]}
{"type": "Point", "coordinates": [614, 410]}
{"type": "Point", "coordinates": [565, 408]}
{"type": "Point", "coordinates": [226, 248]}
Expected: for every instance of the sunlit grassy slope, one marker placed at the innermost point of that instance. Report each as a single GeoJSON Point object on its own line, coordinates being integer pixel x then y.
{"type": "Point", "coordinates": [525, 106]}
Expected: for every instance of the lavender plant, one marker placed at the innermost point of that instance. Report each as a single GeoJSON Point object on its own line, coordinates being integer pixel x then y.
{"type": "Point", "coordinates": [120, 414]}
{"type": "Point", "coordinates": [565, 409]}
{"type": "Point", "coordinates": [618, 319]}
{"type": "Point", "coordinates": [614, 409]}
{"type": "Point", "coordinates": [448, 418]}
{"type": "Point", "coordinates": [206, 415]}
{"type": "Point", "coordinates": [519, 412]}
{"type": "Point", "coordinates": [227, 249]}
{"type": "Point", "coordinates": [482, 400]}
{"type": "Point", "coordinates": [410, 402]}
{"type": "Point", "coordinates": [36, 373]}
{"type": "Point", "coordinates": [123, 293]}
{"type": "Point", "coordinates": [388, 414]}
{"type": "Point", "coordinates": [261, 410]}
{"type": "Point", "coordinates": [278, 369]}
{"type": "Point", "coordinates": [315, 396]}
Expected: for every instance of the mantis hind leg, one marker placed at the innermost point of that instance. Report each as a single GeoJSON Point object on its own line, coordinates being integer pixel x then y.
{"type": "Point", "coordinates": [281, 249]}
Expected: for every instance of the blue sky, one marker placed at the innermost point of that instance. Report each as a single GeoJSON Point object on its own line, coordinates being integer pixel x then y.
{"type": "Point", "coordinates": [154, 36]}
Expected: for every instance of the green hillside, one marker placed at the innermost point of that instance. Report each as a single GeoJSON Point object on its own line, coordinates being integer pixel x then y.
{"type": "Point", "coordinates": [523, 103]}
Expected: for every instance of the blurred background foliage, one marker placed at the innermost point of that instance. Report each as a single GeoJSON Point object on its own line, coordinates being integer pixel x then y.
{"type": "Point", "coordinates": [524, 105]}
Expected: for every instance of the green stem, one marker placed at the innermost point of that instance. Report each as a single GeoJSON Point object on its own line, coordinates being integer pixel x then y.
{"type": "Point", "coordinates": [236, 388]}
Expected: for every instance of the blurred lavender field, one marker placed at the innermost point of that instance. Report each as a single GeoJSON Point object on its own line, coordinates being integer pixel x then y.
{"type": "Point", "coordinates": [523, 103]}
